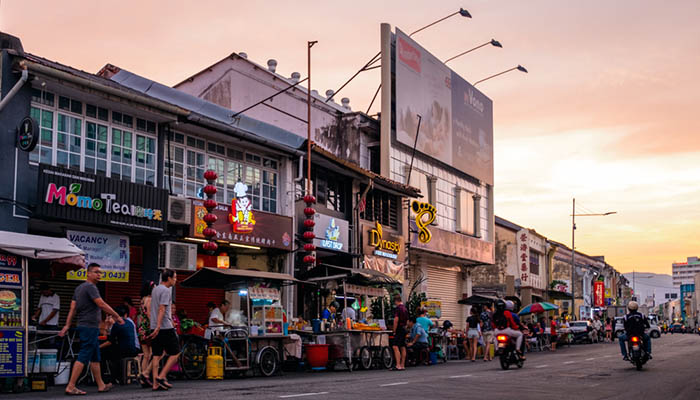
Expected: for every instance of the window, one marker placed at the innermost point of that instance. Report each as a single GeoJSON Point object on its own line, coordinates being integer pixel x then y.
{"type": "Point", "coordinates": [145, 159]}
{"type": "Point", "coordinates": [175, 166]}
{"type": "Point", "coordinates": [218, 165]}
{"type": "Point", "coordinates": [121, 154]}
{"type": "Point", "coordinates": [124, 120]}
{"type": "Point", "coordinates": [43, 152]}
{"type": "Point", "coordinates": [382, 207]}
{"type": "Point", "coordinates": [465, 212]}
{"type": "Point", "coordinates": [96, 148]}
{"type": "Point", "coordinates": [68, 141]}
{"type": "Point", "coordinates": [534, 262]}
{"type": "Point", "coordinates": [195, 173]}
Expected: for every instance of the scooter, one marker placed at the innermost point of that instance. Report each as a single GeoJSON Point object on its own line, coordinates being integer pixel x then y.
{"type": "Point", "coordinates": [637, 352]}
{"type": "Point", "coordinates": [506, 352]}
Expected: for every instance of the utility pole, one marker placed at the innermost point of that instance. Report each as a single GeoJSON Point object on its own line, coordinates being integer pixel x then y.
{"type": "Point", "coordinates": [573, 254]}
{"type": "Point", "coordinates": [308, 119]}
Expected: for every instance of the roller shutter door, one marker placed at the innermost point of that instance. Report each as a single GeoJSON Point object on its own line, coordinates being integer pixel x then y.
{"type": "Point", "coordinates": [446, 286]}
{"type": "Point", "coordinates": [194, 300]}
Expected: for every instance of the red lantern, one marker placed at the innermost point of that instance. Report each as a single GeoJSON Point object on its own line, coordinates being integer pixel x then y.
{"type": "Point", "coordinates": [210, 175]}
{"type": "Point", "coordinates": [309, 235]}
{"type": "Point", "coordinates": [309, 199]}
{"type": "Point", "coordinates": [309, 247]}
{"type": "Point", "coordinates": [309, 223]}
{"type": "Point", "coordinates": [210, 204]}
{"type": "Point", "coordinates": [309, 259]}
{"type": "Point", "coordinates": [210, 246]}
{"type": "Point", "coordinates": [308, 211]}
{"type": "Point", "coordinates": [209, 232]}
{"type": "Point", "coordinates": [210, 190]}
{"type": "Point", "coordinates": [210, 218]}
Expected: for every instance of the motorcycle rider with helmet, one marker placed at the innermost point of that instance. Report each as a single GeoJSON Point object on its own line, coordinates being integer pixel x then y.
{"type": "Point", "coordinates": [635, 325]}
{"type": "Point", "coordinates": [504, 323]}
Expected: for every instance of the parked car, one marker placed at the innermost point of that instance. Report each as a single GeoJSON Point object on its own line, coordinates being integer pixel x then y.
{"type": "Point", "coordinates": [677, 328]}
{"type": "Point", "coordinates": [581, 331]}
{"type": "Point", "coordinates": [619, 328]}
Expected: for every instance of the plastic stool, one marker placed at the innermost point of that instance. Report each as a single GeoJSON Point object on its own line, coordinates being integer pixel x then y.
{"type": "Point", "coordinates": [131, 369]}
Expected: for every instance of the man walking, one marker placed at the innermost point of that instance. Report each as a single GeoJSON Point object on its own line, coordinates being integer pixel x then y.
{"type": "Point", "coordinates": [163, 336]}
{"type": "Point", "coordinates": [86, 304]}
{"type": "Point", "coordinates": [400, 321]}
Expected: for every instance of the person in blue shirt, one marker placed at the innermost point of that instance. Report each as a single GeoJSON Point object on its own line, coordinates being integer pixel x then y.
{"type": "Point", "coordinates": [328, 313]}
{"type": "Point", "coordinates": [424, 321]}
{"type": "Point", "coordinates": [418, 338]}
{"type": "Point", "coordinates": [122, 342]}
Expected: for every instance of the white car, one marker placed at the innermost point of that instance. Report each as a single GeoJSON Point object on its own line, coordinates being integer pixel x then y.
{"type": "Point", "coordinates": [653, 331]}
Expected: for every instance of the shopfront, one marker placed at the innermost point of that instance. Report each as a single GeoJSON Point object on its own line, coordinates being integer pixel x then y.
{"type": "Point", "coordinates": [383, 250]}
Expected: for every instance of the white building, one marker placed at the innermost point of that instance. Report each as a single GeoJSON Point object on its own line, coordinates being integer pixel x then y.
{"type": "Point", "coordinates": [684, 273]}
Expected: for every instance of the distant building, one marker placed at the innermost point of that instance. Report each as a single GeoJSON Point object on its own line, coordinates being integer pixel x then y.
{"type": "Point", "coordinates": [684, 273]}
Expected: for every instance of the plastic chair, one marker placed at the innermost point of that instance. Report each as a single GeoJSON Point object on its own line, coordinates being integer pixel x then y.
{"type": "Point", "coordinates": [130, 369]}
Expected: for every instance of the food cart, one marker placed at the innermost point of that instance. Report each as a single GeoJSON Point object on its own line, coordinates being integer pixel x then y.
{"type": "Point", "coordinates": [257, 343]}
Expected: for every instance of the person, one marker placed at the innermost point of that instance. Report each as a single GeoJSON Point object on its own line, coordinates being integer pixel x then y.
{"type": "Point", "coordinates": [503, 322]}
{"type": "Point", "coordinates": [487, 331]}
{"type": "Point", "coordinates": [553, 333]}
{"type": "Point", "coordinates": [348, 312]}
{"type": "Point", "coordinates": [217, 321]}
{"type": "Point", "coordinates": [46, 313]}
{"type": "Point", "coordinates": [473, 332]}
{"type": "Point", "coordinates": [85, 306]}
{"type": "Point", "coordinates": [122, 341]}
{"type": "Point", "coordinates": [399, 344]}
{"type": "Point", "coordinates": [424, 321]}
{"type": "Point", "coordinates": [598, 327]}
{"type": "Point", "coordinates": [143, 324]}
{"type": "Point", "coordinates": [164, 338]}
{"type": "Point", "coordinates": [418, 338]}
{"type": "Point", "coordinates": [328, 313]}
{"type": "Point", "coordinates": [129, 304]}
{"type": "Point", "coordinates": [608, 330]}
{"type": "Point", "coordinates": [635, 325]}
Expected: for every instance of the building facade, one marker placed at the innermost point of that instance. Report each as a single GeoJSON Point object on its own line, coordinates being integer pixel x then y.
{"type": "Point", "coordinates": [684, 273]}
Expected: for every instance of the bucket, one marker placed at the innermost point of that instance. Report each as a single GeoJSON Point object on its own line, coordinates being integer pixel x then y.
{"type": "Point", "coordinates": [285, 328]}
{"type": "Point", "coordinates": [47, 361]}
{"type": "Point", "coordinates": [253, 330]}
{"type": "Point", "coordinates": [63, 373]}
{"type": "Point", "coordinates": [317, 355]}
{"type": "Point", "coordinates": [316, 325]}
{"type": "Point", "coordinates": [433, 357]}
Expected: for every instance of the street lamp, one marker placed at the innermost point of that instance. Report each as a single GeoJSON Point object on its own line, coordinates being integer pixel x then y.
{"type": "Point", "coordinates": [461, 12]}
{"type": "Point", "coordinates": [519, 68]}
{"type": "Point", "coordinates": [492, 42]}
{"type": "Point", "coordinates": [573, 247]}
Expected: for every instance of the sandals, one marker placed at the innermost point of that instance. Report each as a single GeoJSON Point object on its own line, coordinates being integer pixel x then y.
{"type": "Point", "coordinates": [107, 388]}
{"type": "Point", "coordinates": [163, 382]}
{"type": "Point", "coordinates": [144, 381]}
{"type": "Point", "coordinates": [75, 392]}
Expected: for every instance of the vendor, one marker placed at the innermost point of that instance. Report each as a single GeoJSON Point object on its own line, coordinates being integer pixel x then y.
{"type": "Point", "coordinates": [328, 313]}
{"type": "Point", "coordinates": [348, 312]}
{"type": "Point", "coordinates": [217, 323]}
{"type": "Point", "coordinates": [49, 305]}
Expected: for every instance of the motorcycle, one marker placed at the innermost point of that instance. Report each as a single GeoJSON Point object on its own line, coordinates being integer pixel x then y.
{"type": "Point", "coordinates": [506, 352]}
{"type": "Point", "coordinates": [637, 352]}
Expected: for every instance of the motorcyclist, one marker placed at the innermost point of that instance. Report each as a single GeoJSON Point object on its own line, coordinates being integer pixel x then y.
{"type": "Point", "coordinates": [510, 306]}
{"type": "Point", "coordinates": [635, 325]}
{"type": "Point", "coordinates": [503, 322]}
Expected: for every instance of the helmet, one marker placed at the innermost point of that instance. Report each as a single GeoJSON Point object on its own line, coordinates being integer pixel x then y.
{"type": "Point", "coordinates": [447, 325]}
{"type": "Point", "coordinates": [335, 304]}
{"type": "Point", "coordinates": [510, 305]}
{"type": "Point", "coordinates": [632, 306]}
{"type": "Point", "coordinates": [500, 305]}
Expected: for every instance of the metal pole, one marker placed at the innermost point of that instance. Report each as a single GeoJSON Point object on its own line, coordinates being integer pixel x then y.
{"type": "Point", "coordinates": [573, 262]}
{"type": "Point", "coordinates": [308, 118]}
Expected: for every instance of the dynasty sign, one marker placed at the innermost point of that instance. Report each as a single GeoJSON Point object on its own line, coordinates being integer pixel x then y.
{"type": "Point", "coordinates": [384, 247]}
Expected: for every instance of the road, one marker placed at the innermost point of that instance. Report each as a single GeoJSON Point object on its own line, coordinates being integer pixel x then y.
{"type": "Point", "coordinates": [585, 371]}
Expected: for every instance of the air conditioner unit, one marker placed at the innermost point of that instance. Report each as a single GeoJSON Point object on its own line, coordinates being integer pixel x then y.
{"type": "Point", "coordinates": [179, 210]}
{"type": "Point", "coordinates": [178, 256]}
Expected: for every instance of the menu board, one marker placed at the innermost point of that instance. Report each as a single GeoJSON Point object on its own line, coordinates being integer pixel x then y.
{"type": "Point", "coordinates": [12, 352]}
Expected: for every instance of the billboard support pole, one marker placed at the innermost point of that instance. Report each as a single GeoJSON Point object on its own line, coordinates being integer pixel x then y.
{"type": "Point", "coordinates": [413, 155]}
{"type": "Point", "coordinates": [308, 118]}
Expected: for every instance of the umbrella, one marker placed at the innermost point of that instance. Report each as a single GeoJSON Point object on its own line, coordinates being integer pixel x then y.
{"type": "Point", "coordinates": [536, 308]}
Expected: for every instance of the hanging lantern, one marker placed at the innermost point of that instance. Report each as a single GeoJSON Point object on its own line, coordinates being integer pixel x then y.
{"type": "Point", "coordinates": [308, 211]}
{"type": "Point", "coordinates": [210, 218]}
{"type": "Point", "coordinates": [210, 204]}
{"type": "Point", "coordinates": [309, 223]}
{"type": "Point", "coordinates": [309, 247]}
{"type": "Point", "coordinates": [309, 236]}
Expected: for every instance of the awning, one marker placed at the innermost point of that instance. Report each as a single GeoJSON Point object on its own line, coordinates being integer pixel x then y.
{"type": "Point", "coordinates": [42, 247]}
{"type": "Point", "coordinates": [358, 276]}
{"type": "Point", "coordinates": [215, 278]}
{"type": "Point", "coordinates": [557, 295]}
{"type": "Point", "coordinates": [478, 299]}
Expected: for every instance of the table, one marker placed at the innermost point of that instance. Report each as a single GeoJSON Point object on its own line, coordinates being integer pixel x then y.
{"type": "Point", "coordinates": [362, 346]}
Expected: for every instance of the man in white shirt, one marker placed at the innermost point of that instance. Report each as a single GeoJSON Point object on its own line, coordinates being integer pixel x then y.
{"type": "Point", "coordinates": [49, 305]}
{"type": "Point", "coordinates": [217, 323]}
{"type": "Point", "coordinates": [348, 312]}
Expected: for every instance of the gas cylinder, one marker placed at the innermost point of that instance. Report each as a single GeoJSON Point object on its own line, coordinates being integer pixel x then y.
{"type": "Point", "coordinates": [215, 363]}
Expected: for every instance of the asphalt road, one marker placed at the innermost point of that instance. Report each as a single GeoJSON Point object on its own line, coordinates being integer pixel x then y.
{"type": "Point", "coordinates": [584, 371]}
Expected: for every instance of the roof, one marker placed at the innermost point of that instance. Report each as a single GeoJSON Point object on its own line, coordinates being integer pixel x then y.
{"type": "Point", "coordinates": [505, 223]}
{"type": "Point", "coordinates": [357, 276]}
{"type": "Point", "coordinates": [222, 278]}
{"type": "Point", "coordinates": [40, 247]}
{"type": "Point", "coordinates": [204, 110]}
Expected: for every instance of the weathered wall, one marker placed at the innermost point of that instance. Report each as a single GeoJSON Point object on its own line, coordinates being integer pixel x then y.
{"type": "Point", "coordinates": [494, 276]}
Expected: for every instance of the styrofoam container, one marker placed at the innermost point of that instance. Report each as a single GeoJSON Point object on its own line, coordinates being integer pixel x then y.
{"type": "Point", "coordinates": [47, 360]}
{"type": "Point", "coordinates": [33, 362]}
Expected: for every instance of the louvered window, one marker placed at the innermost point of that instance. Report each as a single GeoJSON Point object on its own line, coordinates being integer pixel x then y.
{"type": "Point", "coordinates": [382, 207]}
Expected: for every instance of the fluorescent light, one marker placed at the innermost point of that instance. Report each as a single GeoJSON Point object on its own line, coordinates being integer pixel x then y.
{"type": "Point", "coordinates": [191, 239]}
{"type": "Point", "coordinates": [245, 246]}
{"type": "Point", "coordinates": [242, 292]}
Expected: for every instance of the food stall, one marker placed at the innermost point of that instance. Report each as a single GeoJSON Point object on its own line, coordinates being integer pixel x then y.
{"type": "Point", "coordinates": [256, 341]}
{"type": "Point", "coordinates": [15, 250]}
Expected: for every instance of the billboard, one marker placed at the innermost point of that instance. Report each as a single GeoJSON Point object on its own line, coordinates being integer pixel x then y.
{"type": "Point", "coordinates": [457, 119]}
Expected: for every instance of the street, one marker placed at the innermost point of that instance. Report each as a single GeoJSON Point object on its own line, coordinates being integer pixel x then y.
{"type": "Point", "coordinates": [586, 371]}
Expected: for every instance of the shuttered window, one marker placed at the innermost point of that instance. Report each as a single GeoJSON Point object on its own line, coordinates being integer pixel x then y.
{"type": "Point", "coordinates": [382, 207]}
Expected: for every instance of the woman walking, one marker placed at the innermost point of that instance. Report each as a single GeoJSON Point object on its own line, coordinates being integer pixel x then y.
{"type": "Point", "coordinates": [608, 330]}
{"type": "Point", "coordinates": [144, 329]}
{"type": "Point", "coordinates": [473, 332]}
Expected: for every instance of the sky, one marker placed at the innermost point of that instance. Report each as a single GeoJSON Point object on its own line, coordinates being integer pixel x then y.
{"type": "Point", "coordinates": [607, 113]}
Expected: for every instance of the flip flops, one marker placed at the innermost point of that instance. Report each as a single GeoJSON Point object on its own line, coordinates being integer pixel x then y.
{"type": "Point", "coordinates": [107, 388]}
{"type": "Point", "coordinates": [75, 392]}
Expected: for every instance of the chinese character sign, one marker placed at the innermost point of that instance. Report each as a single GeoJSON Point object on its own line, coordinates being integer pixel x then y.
{"type": "Point", "coordinates": [523, 256]}
{"type": "Point", "coordinates": [598, 294]}
{"type": "Point", "coordinates": [110, 251]}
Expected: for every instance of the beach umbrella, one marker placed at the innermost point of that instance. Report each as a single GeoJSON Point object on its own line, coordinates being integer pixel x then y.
{"type": "Point", "coordinates": [536, 308]}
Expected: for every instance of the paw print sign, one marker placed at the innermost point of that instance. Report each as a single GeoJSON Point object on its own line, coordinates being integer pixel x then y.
{"type": "Point", "coordinates": [425, 215]}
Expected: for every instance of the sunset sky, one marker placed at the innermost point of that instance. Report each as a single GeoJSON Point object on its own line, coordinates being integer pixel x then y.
{"type": "Point", "coordinates": [608, 113]}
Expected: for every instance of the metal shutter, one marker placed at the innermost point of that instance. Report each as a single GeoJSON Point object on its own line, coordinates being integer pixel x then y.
{"type": "Point", "coordinates": [446, 286]}
{"type": "Point", "coordinates": [194, 300]}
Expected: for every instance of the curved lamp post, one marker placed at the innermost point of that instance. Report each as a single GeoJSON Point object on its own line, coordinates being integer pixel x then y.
{"type": "Point", "coordinates": [492, 42]}
{"type": "Point", "coordinates": [519, 68]}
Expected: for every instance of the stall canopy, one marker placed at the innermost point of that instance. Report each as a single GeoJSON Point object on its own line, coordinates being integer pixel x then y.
{"type": "Point", "coordinates": [478, 299]}
{"type": "Point", "coordinates": [357, 276]}
{"type": "Point", "coordinates": [224, 278]}
{"type": "Point", "coordinates": [41, 247]}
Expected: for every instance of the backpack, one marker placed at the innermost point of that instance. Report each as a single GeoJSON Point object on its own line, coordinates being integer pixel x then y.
{"type": "Point", "coordinates": [499, 318]}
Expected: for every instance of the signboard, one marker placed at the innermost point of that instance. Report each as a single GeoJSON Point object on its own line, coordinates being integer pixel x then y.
{"type": "Point", "coordinates": [262, 229]}
{"type": "Point", "coordinates": [12, 352]}
{"type": "Point", "coordinates": [457, 119]}
{"type": "Point", "coordinates": [9, 260]}
{"type": "Point", "coordinates": [598, 294]}
{"type": "Point", "coordinates": [383, 244]}
{"type": "Point", "coordinates": [455, 245]}
{"type": "Point", "coordinates": [76, 196]}
{"type": "Point", "coordinates": [365, 290]}
{"type": "Point", "coordinates": [523, 252]}
{"type": "Point", "coordinates": [331, 233]}
{"type": "Point", "coordinates": [261, 293]}
{"type": "Point", "coordinates": [425, 215]}
{"type": "Point", "coordinates": [433, 308]}
{"type": "Point", "coordinates": [27, 134]}
{"type": "Point", "coordinates": [561, 285]}
{"type": "Point", "coordinates": [110, 251]}
{"type": "Point", "coordinates": [608, 293]}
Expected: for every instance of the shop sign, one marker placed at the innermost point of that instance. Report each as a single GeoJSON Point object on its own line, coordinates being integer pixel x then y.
{"type": "Point", "coordinates": [9, 260]}
{"type": "Point", "coordinates": [561, 286]}
{"type": "Point", "coordinates": [433, 308]}
{"type": "Point", "coordinates": [27, 134]}
{"type": "Point", "coordinates": [250, 228]}
{"type": "Point", "coordinates": [523, 255]}
{"type": "Point", "coordinates": [608, 293]}
{"type": "Point", "coordinates": [110, 251]}
{"type": "Point", "coordinates": [388, 247]}
{"type": "Point", "coordinates": [425, 215]}
{"type": "Point", "coordinates": [82, 197]}
{"type": "Point", "coordinates": [331, 233]}
{"type": "Point", "coordinates": [453, 244]}
{"type": "Point", "coordinates": [12, 352]}
{"type": "Point", "coordinates": [365, 290]}
{"type": "Point", "coordinates": [261, 293]}
{"type": "Point", "coordinates": [598, 294]}
{"type": "Point", "coordinates": [10, 277]}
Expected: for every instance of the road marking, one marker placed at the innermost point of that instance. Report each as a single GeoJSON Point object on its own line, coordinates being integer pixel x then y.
{"type": "Point", "coordinates": [607, 356]}
{"type": "Point", "coordinates": [394, 384]}
{"type": "Point", "coordinates": [459, 376]}
{"type": "Point", "coordinates": [590, 359]}
{"type": "Point", "coordinates": [302, 395]}
{"type": "Point", "coordinates": [542, 366]}
{"type": "Point", "coordinates": [569, 362]}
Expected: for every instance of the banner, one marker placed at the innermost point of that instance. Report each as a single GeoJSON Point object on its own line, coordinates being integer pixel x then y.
{"type": "Point", "coordinates": [599, 294]}
{"type": "Point", "coordinates": [261, 293]}
{"type": "Point", "coordinates": [110, 251]}
{"type": "Point", "coordinates": [433, 308]}
{"type": "Point", "coordinates": [12, 352]}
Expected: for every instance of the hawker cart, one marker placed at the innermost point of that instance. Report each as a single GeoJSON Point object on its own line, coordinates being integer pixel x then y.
{"type": "Point", "coordinates": [256, 345]}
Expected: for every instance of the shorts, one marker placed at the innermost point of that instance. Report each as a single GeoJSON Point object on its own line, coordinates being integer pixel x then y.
{"type": "Point", "coordinates": [488, 337]}
{"type": "Point", "coordinates": [89, 345]}
{"type": "Point", "coordinates": [420, 346]}
{"type": "Point", "coordinates": [552, 338]}
{"type": "Point", "coordinates": [472, 333]}
{"type": "Point", "coordinates": [399, 337]}
{"type": "Point", "coordinates": [167, 341]}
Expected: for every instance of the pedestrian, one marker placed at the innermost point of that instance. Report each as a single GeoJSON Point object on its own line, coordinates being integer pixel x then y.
{"type": "Point", "coordinates": [473, 332]}
{"type": "Point", "coordinates": [129, 304]}
{"type": "Point", "coordinates": [164, 338]}
{"type": "Point", "coordinates": [424, 321]}
{"type": "Point", "coordinates": [143, 323]}
{"type": "Point", "coordinates": [85, 306]}
{"type": "Point", "coordinates": [553, 333]}
{"type": "Point", "coordinates": [487, 331]}
{"type": "Point", "coordinates": [400, 322]}
{"type": "Point", "coordinates": [608, 330]}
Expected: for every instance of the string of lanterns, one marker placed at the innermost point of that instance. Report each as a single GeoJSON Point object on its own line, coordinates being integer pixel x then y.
{"type": "Point", "coordinates": [210, 204]}
{"type": "Point", "coordinates": [308, 235]}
